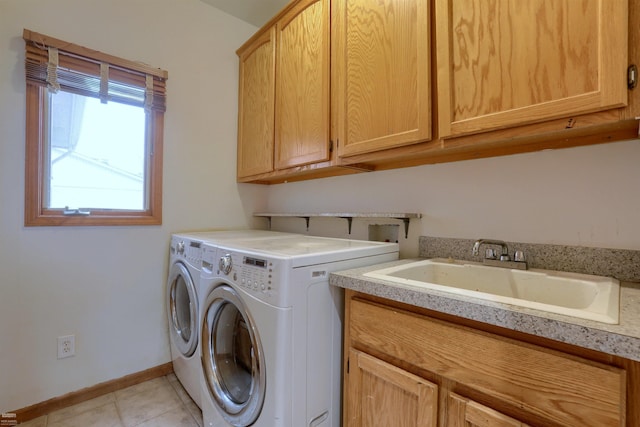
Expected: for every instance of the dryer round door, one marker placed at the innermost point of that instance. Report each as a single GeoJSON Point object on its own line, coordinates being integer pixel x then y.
{"type": "Point", "coordinates": [183, 309]}
{"type": "Point", "coordinates": [232, 357]}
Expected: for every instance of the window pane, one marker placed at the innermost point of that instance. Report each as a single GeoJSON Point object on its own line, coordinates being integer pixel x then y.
{"type": "Point", "coordinates": [96, 154]}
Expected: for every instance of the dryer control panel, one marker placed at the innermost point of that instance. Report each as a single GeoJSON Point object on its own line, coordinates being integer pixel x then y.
{"type": "Point", "coordinates": [186, 250]}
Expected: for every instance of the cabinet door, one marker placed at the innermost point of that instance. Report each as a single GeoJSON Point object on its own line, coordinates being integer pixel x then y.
{"type": "Point", "coordinates": [382, 74]}
{"type": "Point", "coordinates": [467, 413]}
{"type": "Point", "coordinates": [302, 85]}
{"type": "Point", "coordinates": [256, 106]}
{"type": "Point", "coordinates": [380, 394]}
{"type": "Point", "coordinates": [507, 62]}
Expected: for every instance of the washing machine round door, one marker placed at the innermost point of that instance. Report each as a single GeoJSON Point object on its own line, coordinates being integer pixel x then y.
{"type": "Point", "coordinates": [232, 357]}
{"type": "Point", "coordinates": [183, 309]}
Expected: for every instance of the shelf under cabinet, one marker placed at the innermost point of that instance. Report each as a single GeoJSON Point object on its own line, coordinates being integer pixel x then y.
{"type": "Point", "coordinates": [349, 216]}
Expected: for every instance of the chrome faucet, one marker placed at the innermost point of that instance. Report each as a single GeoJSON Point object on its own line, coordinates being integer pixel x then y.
{"type": "Point", "coordinates": [504, 260]}
{"type": "Point", "coordinates": [505, 250]}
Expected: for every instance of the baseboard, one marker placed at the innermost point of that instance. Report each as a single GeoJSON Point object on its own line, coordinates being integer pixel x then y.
{"type": "Point", "coordinates": [75, 397]}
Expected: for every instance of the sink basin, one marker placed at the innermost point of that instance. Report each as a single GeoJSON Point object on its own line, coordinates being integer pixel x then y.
{"type": "Point", "coordinates": [579, 295]}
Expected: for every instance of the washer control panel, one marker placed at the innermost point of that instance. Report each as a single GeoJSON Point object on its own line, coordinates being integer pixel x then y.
{"type": "Point", "coordinates": [254, 274]}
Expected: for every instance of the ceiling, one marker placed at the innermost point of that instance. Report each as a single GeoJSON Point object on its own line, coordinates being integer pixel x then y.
{"type": "Point", "coordinates": [256, 12]}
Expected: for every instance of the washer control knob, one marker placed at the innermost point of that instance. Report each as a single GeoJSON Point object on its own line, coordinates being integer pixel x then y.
{"type": "Point", "coordinates": [225, 264]}
{"type": "Point", "coordinates": [180, 247]}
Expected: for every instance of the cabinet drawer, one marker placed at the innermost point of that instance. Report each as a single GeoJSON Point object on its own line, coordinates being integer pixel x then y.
{"type": "Point", "coordinates": [566, 390]}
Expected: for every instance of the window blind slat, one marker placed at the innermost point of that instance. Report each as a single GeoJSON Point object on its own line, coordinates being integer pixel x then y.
{"type": "Point", "coordinates": [45, 41]}
{"type": "Point", "coordinates": [82, 75]}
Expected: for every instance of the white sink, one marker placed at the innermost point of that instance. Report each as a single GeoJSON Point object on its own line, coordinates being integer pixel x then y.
{"type": "Point", "coordinates": [579, 295]}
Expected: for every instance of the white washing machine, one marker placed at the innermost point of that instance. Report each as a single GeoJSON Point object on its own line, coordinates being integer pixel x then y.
{"type": "Point", "coordinates": [183, 300]}
{"type": "Point", "coordinates": [271, 330]}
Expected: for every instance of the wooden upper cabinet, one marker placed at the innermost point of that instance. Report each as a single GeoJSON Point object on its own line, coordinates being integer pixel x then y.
{"type": "Point", "coordinates": [505, 63]}
{"type": "Point", "coordinates": [382, 74]}
{"type": "Point", "coordinates": [381, 394]}
{"type": "Point", "coordinates": [302, 85]}
{"type": "Point", "coordinates": [256, 106]}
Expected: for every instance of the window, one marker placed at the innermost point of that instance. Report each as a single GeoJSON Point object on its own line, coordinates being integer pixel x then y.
{"type": "Point", "coordinates": [93, 138]}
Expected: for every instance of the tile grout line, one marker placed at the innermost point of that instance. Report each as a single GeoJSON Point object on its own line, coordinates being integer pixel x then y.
{"type": "Point", "coordinates": [117, 401]}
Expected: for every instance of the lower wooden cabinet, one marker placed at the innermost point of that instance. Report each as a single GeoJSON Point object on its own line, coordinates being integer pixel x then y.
{"type": "Point", "coordinates": [381, 394]}
{"type": "Point", "coordinates": [406, 366]}
{"type": "Point", "coordinates": [463, 412]}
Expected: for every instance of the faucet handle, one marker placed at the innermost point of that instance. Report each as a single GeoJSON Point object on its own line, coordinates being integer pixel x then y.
{"type": "Point", "coordinates": [518, 256]}
{"type": "Point", "coordinates": [490, 253]}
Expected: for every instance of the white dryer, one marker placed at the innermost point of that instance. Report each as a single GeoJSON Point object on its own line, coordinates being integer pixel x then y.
{"type": "Point", "coordinates": [271, 330]}
{"type": "Point", "coordinates": [183, 300]}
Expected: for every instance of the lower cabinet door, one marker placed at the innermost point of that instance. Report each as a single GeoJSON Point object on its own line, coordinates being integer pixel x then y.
{"type": "Point", "coordinates": [463, 412]}
{"type": "Point", "coordinates": [381, 394]}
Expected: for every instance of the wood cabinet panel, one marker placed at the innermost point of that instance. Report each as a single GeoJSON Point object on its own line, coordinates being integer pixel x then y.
{"type": "Point", "coordinates": [302, 85]}
{"type": "Point", "coordinates": [546, 384]}
{"type": "Point", "coordinates": [383, 74]}
{"type": "Point", "coordinates": [463, 412]}
{"type": "Point", "coordinates": [256, 106]}
{"type": "Point", "coordinates": [504, 63]}
{"type": "Point", "coordinates": [381, 394]}
{"type": "Point", "coordinates": [356, 75]}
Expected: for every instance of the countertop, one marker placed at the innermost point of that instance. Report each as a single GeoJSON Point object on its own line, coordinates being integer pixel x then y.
{"type": "Point", "coordinates": [621, 340]}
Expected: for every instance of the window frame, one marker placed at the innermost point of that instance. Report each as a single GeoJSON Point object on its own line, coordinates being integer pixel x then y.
{"type": "Point", "coordinates": [36, 214]}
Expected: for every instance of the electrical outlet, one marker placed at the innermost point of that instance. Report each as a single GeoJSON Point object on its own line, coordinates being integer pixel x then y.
{"type": "Point", "coordinates": [66, 346]}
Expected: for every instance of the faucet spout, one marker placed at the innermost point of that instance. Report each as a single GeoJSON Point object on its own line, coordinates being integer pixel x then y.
{"type": "Point", "coordinates": [505, 250]}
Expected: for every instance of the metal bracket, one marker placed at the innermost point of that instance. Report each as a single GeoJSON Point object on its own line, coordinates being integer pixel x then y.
{"type": "Point", "coordinates": [632, 76]}
{"type": "Point", "coordinates": [406, 226]}
{"type": "Point", "coordinates": [306, 218]}
{"type": "Point", "coordinates": [349, 221]}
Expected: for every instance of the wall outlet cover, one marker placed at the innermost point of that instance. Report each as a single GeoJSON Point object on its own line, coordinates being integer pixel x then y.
{"type": "Point", "coordinates": [66, 346]}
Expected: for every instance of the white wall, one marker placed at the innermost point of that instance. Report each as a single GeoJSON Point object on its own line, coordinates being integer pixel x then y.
{"type": "Point", "coordinates": [106, 285]}
{"type": "Point", "coordinates": [586, 196]}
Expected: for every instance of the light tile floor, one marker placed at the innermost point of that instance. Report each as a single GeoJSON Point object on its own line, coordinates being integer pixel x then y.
{"type": "Point", "coordinates": [161, 402]}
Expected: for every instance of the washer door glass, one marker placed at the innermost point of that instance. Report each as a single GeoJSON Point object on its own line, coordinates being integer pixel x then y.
{"type": "Point", "coordinates": [232, 357]}
{"type": "Point", "coordinates": [182, 309]}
